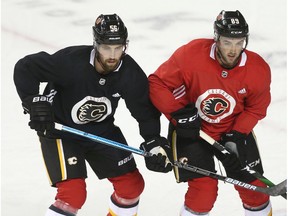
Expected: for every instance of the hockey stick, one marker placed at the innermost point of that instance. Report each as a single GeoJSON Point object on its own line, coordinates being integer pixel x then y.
{"type": "Point", "coordinates": [221, 148]}
{"type": "Point", "coordinates": [272, 191]}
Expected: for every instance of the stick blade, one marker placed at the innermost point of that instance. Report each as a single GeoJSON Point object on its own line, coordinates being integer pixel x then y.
{"type": "Point", "coordinates": [279, 189]}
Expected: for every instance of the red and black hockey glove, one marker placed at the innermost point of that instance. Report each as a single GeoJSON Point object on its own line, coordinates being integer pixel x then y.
{"type": "Point", "coordinates": [235, 143]}
{"type": "Point", "coordinates": [162, 156]}
{"type": "Point", "coordinates": [41, 114]}
{"type": "Point", "coordinates": [188, 122]}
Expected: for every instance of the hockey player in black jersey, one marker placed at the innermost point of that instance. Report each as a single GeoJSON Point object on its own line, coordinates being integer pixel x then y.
{"type": "Point", "coordinates": [84, 86]}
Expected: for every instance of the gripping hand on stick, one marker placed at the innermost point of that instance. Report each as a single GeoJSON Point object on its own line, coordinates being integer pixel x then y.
{"type": "Point", "coordinates": [161, 158]}
{"type": "Point", "coordinates": [235, 143]}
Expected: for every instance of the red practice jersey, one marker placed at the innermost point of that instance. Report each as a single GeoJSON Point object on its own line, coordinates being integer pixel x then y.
{"type": "Point", "coordinates": [234, 99]}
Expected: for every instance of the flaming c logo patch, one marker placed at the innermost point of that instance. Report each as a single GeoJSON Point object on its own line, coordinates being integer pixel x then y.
{"type": "Point", "coordinates": [91, 109]}
{"type": "Point", "coordinates": [214, 105]}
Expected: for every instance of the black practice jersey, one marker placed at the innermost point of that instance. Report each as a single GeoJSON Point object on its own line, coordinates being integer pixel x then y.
{"type": "Point", "coordinates": [83, 98]}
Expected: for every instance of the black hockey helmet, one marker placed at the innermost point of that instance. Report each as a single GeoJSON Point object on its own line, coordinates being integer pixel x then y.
{"type": "Point", "coordinates": [230, 24]}
{"type": "Point", "coordinates": [109, 29]}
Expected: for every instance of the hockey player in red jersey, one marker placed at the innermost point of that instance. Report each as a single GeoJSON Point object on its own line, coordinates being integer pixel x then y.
{"type": "Point", "coordinates": [224, 89]}
{"type": "Point", "coordinates": [85, 84]}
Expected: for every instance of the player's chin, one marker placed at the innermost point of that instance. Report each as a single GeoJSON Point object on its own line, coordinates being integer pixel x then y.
{"type": "Point", "coordinates": [111, 64]}
{"type": "Point", "coordinates": [230, 62]}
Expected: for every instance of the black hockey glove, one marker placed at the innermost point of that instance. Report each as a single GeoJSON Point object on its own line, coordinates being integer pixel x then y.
{"type": "Point", "coordinates": [235, 143]}
{"type": "Point", "coordinates": [231, 163]}
{"type": "Point", "coordinates": [41, 114]}
{"type": "Point", "coordinates": [161, 159]}
{"type": "Point", "coordinates": [188, 121]}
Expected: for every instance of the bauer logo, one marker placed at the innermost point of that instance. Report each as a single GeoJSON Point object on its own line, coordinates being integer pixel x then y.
{"type": "Point", "coordinates": [114, 38]}
{"type": "Point", "coordinates": [241, 184]}
{"type": "Point", "coordinates": [125, 160]}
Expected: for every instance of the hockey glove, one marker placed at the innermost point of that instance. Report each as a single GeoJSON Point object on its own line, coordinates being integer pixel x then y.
{"type": "Point", "coordinates": [41, 114]}
{"type": "Point", "coordinates": [188, 122]}
{"type": "Point", "coordinates": [235, 143]}
{"type": "Point", "coordinates": [161, 159]}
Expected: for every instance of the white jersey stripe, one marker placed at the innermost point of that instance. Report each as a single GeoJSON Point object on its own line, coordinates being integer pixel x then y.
{"type": "Point", "coordinates": [179, 92]}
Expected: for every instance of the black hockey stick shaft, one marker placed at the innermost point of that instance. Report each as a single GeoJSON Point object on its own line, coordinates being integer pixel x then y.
{"type": "Point", "coordinates": [273, 191]}
{"type": "Point", "coordinates": [223, 150]}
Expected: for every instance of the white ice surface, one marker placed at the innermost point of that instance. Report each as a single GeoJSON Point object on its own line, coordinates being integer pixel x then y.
{"type": "Point", "coordinates": [156, 28]}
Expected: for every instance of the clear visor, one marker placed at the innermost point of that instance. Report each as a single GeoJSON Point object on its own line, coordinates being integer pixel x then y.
{"type": "Point", "coordinates": [229, 42]}
{"type": "Point", "coordinates": [107, 49]}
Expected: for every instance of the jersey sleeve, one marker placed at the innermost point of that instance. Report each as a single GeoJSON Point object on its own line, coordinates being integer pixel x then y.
{"type": "Point", "coordinates": [33, 69]}
{"type": "Point", "coordinates": [257, 101]}
{"type": "Point", "coordinates": [136, 96]}
{"type": "Point", "coordinates": [167, 86]}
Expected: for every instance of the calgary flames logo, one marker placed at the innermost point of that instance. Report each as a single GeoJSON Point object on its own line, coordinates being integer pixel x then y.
{"type": "Point", "coordinates": [91, 112]}
{"type": "Point", "coordinates": [214, 105]}
{"type": "Point", "coordinates": [91, 109]}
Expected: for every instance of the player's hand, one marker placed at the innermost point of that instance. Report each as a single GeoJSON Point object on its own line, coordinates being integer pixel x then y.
{"type": "Point", "coordinates": [235, 143]}
{"type": "Point", "coordinates": [188, 122]}
{"type": "Point", "coordinates": [161, 159]}
{"type": "Point", "coordinates": [41, 114]}
{"type": "Point", "coordinates": [231, 163]}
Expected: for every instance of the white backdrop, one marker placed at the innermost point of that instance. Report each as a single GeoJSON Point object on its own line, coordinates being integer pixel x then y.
{"type": "Point", "coordinates": [156, 28]}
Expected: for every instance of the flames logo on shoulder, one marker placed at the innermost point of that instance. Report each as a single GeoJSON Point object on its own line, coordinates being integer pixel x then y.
{"type": "Point", "coordinates": [214, 105]}
{"type": "Point", "coordinates": [91, 109]}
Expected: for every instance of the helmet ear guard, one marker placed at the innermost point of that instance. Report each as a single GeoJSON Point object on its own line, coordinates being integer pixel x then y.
{"type": "Point", "coordinates": [230, 24]}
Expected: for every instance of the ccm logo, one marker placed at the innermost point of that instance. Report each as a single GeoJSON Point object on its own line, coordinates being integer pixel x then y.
{"type": "Point", "coordinates": [190, 119]}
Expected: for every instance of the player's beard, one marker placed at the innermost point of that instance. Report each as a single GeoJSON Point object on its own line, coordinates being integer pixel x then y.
{"type": "Point", "coordinates": [225, 62]}
{"type": "Point", "coordinates": [108, 65]}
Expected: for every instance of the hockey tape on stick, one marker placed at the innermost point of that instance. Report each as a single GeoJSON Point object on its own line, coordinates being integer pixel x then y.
{"type": "Point", "coordinates": [221, 148]}
{"type": "Point", "coordinates": [272, 191]}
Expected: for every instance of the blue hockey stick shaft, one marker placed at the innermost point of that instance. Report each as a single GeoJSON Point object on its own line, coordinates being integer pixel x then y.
{"type": "Point", "coordinates": [101, 140]}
